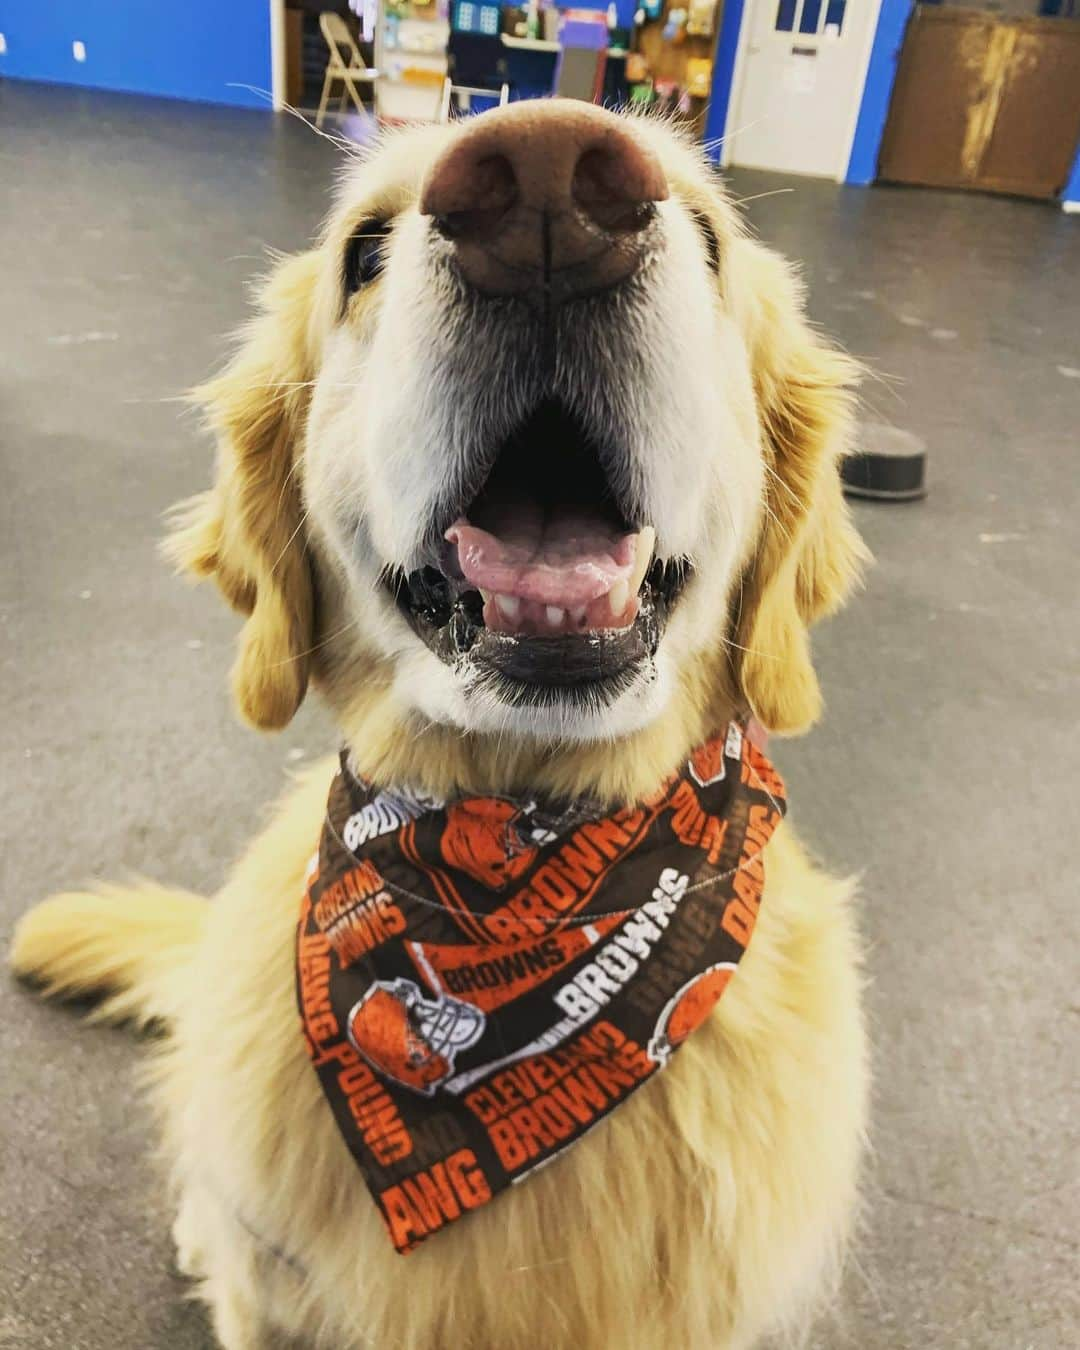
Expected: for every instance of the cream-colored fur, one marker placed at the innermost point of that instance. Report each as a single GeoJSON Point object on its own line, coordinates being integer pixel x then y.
{"type": "Point", "coordinates": [715, 1203]}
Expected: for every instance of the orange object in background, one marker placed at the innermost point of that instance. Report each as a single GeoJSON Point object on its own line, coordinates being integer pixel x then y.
{"type": "Point", "coordinates": [637, 68]}
{"type": "Point", "coordinates": [699, 71]}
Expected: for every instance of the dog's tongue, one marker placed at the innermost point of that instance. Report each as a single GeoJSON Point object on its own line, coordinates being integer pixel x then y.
{"type": "Point", "coordinates": [552, 570]}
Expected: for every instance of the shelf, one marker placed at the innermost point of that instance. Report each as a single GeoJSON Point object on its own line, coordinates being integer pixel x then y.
{"type": "Point", "coordinates": [542, 45]}
{"type": "Point", "coordinates": [530, 44]}
{"type": "Point", "coordinates": [440, 52]}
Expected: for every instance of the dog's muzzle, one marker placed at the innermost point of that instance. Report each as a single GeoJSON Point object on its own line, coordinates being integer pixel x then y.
{"type": "Point", "coordinates": [543, 571]}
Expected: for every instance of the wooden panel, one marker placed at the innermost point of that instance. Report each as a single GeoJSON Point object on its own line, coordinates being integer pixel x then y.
{"type": "Point", "coordinates": [938, 82]}
{"type": "Point", "coordinates": [984, 102]}
{"type": "Point", "coordinates": [1031, 145]}
{"type": "Point", "coordinates": [294, 56]}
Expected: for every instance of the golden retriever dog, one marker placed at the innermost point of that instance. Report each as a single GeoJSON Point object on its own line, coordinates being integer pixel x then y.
{"type": "Point", "coordinates": [548, 323]}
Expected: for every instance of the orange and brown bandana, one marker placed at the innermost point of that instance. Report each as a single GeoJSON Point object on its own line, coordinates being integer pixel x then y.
{"type": "Point", "coordinates": [481, 980]}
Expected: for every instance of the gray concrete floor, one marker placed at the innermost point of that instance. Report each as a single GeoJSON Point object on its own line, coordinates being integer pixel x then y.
{"type": "Point", "coordinates": [946, 770]}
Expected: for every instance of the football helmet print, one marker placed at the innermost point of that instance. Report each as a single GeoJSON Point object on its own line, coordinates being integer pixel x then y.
{"type": "Point", "coordinates": [687, 1010]}
{"type": "Point", "coordinates": [410, 1038]}
{"type": "Point", "coordinates": [481, 839]}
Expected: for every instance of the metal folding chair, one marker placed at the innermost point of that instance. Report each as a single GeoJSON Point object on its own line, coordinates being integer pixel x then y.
{"type": "Point", "coordinates": [345, 63]}
{"type": "Point", "coordinates": [452, 91]}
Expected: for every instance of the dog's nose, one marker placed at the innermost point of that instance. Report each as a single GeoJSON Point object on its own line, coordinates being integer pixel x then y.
{"type": "Point", "coordinates": [553, 197]}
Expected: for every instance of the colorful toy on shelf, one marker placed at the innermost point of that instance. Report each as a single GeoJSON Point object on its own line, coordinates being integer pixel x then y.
{"type": "Point", "coordinates": [637, 68]}
{"type": "Point", "coordinates": [699, 76]}
{"type": "Point", "coordinates": [368, 13]}
{"type": "Point", "coordinates": [675, 27]}
{"type": "Point", "coordinates": [701, 20]}
{"type": "Point", "coordinates": [667, 95]}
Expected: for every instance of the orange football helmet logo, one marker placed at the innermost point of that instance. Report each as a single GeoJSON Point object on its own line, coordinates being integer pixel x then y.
{"type": "Point", "coordinates": [410, 1038]}
{"type": "Point", "coordinates": [688, 1009]}
{"type": "Point", "coordinates": [481, 839]}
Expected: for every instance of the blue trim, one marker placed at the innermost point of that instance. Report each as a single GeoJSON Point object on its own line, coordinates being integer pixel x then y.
{"type": "Point", "coordinates": [1071, 191]}
{"type": "Point", "coordinates": [877, 91]}
{"type": "Point", "coordinates": [723, 74]}
{"type": "Point", "coordinates": [197, 49]}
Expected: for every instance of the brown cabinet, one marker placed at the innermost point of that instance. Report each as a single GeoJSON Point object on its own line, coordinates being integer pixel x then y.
{"type": "Point", "coordinates": [985, 102]}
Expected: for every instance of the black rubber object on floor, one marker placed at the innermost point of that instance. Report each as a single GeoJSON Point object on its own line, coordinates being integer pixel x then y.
{"type": "Point", "coordinates": [890, 466]}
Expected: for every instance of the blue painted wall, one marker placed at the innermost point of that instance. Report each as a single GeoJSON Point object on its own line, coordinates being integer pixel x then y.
{"type": "Point", "coordinates": [877, 92]}
{"type": "Point", "coordinates": [1071, 191]}
{"type": "Point", "coordinates": [192, 49]}
{"type": "Point", "coordinates": [723, 74]}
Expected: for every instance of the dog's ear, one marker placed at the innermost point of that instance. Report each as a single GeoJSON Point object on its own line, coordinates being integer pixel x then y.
{"type": "Point", "coordinates": [808, 554]}
{"type": "Point", "coordinates": [246, 532]}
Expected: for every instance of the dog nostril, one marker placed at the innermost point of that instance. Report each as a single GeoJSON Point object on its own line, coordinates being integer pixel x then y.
{"type": "Point", "coordinates": [469, 225]}
{"type": "Point", "coordinates": [454, 225]}
{"type": "Point", "coordinates": [607, 189]}
{"type": "Point", "coordinates": [478, 203]}
{"type": "Point", "coordinates": [623, 217]}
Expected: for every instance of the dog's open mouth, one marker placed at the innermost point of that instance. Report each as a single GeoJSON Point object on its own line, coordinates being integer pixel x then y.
{"type": "Point", "coordinates": [542, 577]}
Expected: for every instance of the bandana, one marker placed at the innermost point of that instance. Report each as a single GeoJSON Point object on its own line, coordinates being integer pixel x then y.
{"type": "Point", "coordinates": [481, 980]}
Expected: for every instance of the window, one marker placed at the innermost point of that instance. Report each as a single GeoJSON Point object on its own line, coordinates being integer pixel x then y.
{"type": "Point", "coordinates": [785, 16]}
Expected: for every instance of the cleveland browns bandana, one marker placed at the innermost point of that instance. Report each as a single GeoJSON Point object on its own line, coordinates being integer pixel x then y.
{"type": "Point", "coordinates": [481, 980]}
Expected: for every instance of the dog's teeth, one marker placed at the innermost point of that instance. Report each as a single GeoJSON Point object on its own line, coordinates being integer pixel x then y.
{"type": "Point", "coordinates": [555, 615]}
{"type": "Point", "coordinates": [578, 615]}
{"type": "Point", "coordinates": [646, 542]}
{"type": "Point", "coordinates": [617, 597]}
{"type": "Point", "coordinates": [485, 596]}
{"type": "Point", "coordinates": [509, 605]}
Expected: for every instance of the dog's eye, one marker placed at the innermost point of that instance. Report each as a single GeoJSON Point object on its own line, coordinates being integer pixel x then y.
{"type": "Point", "coordinates": [711, 242]}
{"type": "Point", "coordinates": [364, 255]}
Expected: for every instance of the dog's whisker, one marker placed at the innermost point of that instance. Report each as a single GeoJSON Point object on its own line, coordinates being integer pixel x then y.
{"type": "Point", "coordinates": [349, 148]}
{"type": "Point", "coordinates": [285, 547]}
{"type": "Point", "coordinates": [760, 196]}
{"type": "Point", "coordinates": [781, 482]}
{"type": "Point", "coordinates": [293, 469]}
{"type": "Point", "coordinates": [771, 514]}
{"type": "Point", "coordinates": [305, 384]}
{"type": "Point", "coordinates": [751, 651]}
{"type": "Point", "coordinates": [318, 646]}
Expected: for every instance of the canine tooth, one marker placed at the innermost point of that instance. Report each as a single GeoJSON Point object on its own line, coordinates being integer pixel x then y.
{"type": "Point", "coordinates": [485, 596]}
{"type": "Point", "coordinates": [510, 605]}
{"type": "Point", "coordinates": [555, 615]}
{"type": "Point", "coordinates": [618, 596]}
{"type": "Point", "coordinates": [578, 615]}
{"type": "Point", "coordinates": [646, 542]}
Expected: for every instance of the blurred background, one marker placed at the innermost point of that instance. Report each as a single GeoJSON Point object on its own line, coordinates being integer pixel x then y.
{"type": "Point", "coordinates": [983, 96]}
{"type": "Point", "coordinates": [920, 163]}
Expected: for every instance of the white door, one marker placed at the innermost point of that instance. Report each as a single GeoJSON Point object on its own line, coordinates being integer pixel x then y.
{"type": "Point", "coordinates": [798, 84]}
